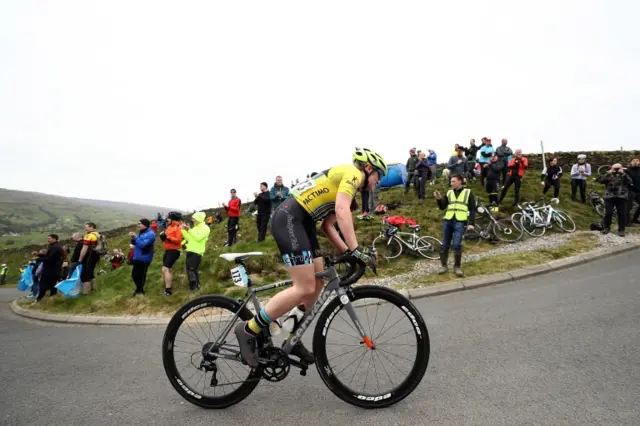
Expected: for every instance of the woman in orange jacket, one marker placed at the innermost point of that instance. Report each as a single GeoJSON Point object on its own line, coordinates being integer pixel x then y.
{"type": "Point", "coordinates": [172, 242]}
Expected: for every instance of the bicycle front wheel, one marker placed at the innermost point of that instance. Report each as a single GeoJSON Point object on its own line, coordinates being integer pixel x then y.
{"type": "Point", "coordinates": [429, 247]}
{"type": "Point", "coordinates": [506, 230]}
{"type": "Point", "coordinates": [527, 223]}
{"type": "Point", "coordinates": [564, 221]}
{"type": "Point", "coordinates": [388, 247]}
{"type": "Point", "coordinates": [208, 382]}
{"type": "Point", "coordinates": [394, 358]}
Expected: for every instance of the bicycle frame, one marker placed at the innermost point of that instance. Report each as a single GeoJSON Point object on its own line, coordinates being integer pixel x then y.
{"type": "Point", "coordinates": [334, 284]}
{"type": "Point", "coordinates": [413, 238]}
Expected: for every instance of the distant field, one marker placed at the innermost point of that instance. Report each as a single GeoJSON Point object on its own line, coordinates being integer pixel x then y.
{"type": "Point", "coordinates": [34, 215]}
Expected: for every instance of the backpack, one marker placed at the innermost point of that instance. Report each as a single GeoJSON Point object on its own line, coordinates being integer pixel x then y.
{"type": "Point", "coordinates": [102, 247]}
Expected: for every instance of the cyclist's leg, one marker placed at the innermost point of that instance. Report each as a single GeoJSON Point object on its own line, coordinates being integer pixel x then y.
{"type": "Point", "coordinates": [294, 243]}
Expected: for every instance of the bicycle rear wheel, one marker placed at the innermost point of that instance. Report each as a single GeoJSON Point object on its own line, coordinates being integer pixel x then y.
{"type": "Point", "coordinates": [395, 329]}
{"type": "Point", "coordinates": [429, 247]}
{"type": "Point", "coordinates": [564, 221]}
{"type": "Point", "coordinates": [184, 362]}
{"type": "Point", "coordinates": [506, 230]}
{"type": "Point", "coordinates": [527, 223]}
{"type": "Point", "coordinates": [388, 247]}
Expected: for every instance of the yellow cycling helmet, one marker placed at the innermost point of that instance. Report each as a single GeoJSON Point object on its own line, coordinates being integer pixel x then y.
{"type": "Point", "coordinates": [362, 156]}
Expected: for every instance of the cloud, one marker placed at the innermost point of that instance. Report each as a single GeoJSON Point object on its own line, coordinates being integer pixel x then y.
{"type": "Point", "coordinates": [152, 102]}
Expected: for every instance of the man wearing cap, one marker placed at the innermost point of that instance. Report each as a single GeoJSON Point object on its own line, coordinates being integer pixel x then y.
{"type": "Point", "coordinates": [263, 205]}
{"type": "Point", "coordinates": [233, 212]}
{"type": "Point", "coordinates": [196, 242]}
{"type": "Point", "coordinates": [411, 169]}
{"type": "Point", "coordinates": [579, 174]}
{"type": "Point", "coordinates": [486, 151]}
{"type": "Point", "coordinates": [504, 152]}
{"type": "Point", "coordinates": [172, 242]}
{"type": "Point", "coordinates": [143, 245]}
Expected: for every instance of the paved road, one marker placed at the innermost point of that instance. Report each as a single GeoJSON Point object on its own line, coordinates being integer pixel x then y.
{"type": "Point", "coordinates": [559, 349]}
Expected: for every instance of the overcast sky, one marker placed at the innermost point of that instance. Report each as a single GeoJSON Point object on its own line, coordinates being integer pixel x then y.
{"type": "Point", "coordinates": [172, 103]}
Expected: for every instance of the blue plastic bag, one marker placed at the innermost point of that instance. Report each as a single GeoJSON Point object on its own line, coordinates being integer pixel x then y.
{"type": "Point", "coordinates": [26, 279]}
{"type": "Point", "coordinates": [72, 286]}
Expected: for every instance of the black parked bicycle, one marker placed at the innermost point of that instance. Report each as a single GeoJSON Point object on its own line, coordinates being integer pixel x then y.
{"type": "Point", "coordinates": [202, 358]}
{"type": "Point", "coordinates": [505, 230]}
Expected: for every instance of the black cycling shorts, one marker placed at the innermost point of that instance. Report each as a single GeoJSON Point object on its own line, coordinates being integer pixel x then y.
{"type": "Point", "coordinates": [170, 257]}
{"type": "Point", "coordinates": [295, 233]}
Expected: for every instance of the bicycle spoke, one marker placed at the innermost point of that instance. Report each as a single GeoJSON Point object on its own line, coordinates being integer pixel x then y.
{"type": "Point", "coordinates": [357, 368]}
{"type": "Point", "coordinates": [347, 334]}
{"type": "Point", "coordinates": [348, 323]}
{"type": "Point", "coordinates": [374, 320]}
{"type": "Point", "coordinates": [382, 355]}
{"type": "Point", "coordinates": [388, 340]}
{"type": "Point", "coordinates": [384, 368]}
{"type": "Point", "coordinates": [345, 353]}
{"type": "Point", "coordinates": [387, 330]}
{"type": "Point", "coordinates": [393, 353]}
{"type": "Point", "coordinates": [346, 367]}
{"type": "Point", "coordinates": [385, 321]}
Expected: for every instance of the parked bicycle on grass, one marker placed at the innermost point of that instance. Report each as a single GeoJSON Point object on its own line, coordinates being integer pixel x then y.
{"type": "Point", "coordinates": [535, 220]}
{"type": "Point", "coordinates": [391, 242]}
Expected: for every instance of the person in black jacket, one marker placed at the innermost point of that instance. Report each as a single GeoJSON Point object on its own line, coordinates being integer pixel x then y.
{"type": "Point", "coordinates": [75, 257]}
{"type": "Point", "coordinates": [51, 267]}
{"type": "Point", "coordinates": [263, 204]}
{"type": "Point", "coordinates": [634, 194]}
{"type": "Point", "coordinates": [494, 170]}
{"type": "Point", "coordinates": [552, 178]}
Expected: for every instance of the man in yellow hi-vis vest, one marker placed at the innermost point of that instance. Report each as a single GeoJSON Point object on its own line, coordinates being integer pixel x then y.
{"type": "Point", "coordinates": [461, 211]}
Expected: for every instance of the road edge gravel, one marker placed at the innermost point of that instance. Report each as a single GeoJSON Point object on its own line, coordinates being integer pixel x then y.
{"type": "Point", "coordinates": [418, 293]}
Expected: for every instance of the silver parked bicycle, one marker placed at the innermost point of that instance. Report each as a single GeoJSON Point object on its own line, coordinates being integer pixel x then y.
{"type": "Point", "coordinates": [202, 358]}
{"type": "Point", "coordinates": [535, 220]}
{"type": "Point", "coordinates": [391, 241]}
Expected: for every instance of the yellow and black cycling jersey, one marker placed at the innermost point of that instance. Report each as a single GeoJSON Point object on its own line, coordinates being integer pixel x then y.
{"type": "Point", "coordinates": [317, 195]}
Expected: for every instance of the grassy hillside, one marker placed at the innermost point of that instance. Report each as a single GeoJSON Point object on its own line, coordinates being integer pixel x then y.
{"type": "Point", "coordinates": [33, 215]}
{"type": "Point", "coordinates": [115, 288]}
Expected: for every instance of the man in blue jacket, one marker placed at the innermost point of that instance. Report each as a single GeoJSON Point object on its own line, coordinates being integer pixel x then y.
{"type": "Point", "coordinates": [486, 152]}
{"type": "Point", "coordinates": [278, 194]}
{"type": "Point", "coordinates": [143, 245]}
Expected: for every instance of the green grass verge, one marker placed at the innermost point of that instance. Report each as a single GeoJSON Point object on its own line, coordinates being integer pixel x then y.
{"type": "Point", "coordinates": [115, 288]}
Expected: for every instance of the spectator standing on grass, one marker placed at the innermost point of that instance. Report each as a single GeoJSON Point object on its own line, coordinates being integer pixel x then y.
{"type": "Point", "coordinates": [51, 267]}
{"type": "Point", "coordinates": [412, 161]}
{"type": "Point", "coordinates": [233, 221]}
{"type": "Point", "coordinates": [504, 152]}
{"type": "Point", "coordinates": [263, 204]}
{"type": "Point", "coordinates": [196, 242]}
{"type": "Point", "coordinates": [143, 245]}
{"type": "Point", "coordinates": [617, 185]}
{"type": "Point", "coordinates": [458, 164]}
{"type": "Point", "coordinates": [472, 151]}
{"type": "Point", "coordinates": [75, 256]}
{"type": "Point", "coordinates": [422, 173]}
{"type": "Point", "coordinates": [3, 274]}
{"type": "Point", "coordinates": [580, 172]}
{"type": "Point", "coordinates": [278, 193]}
{"type": "Point", "coordinates": [432, 160]}
{"type": "Point", "coordinates": [634, 194]}
{"type": "Point", "coordinates": [494, 173]}
{"type": "Point", "coordinates": [552, 178]}
{"type": "Point", "coordinates": [89, 258]}
{"type": "Point", "coordinates": [517, 166]}
{"type": "Point", "coordinates": [460, 216]}
{"type": "Point", "coordinates": [485, 153]}
{"type": "Point", "coordinates": [172, 243]}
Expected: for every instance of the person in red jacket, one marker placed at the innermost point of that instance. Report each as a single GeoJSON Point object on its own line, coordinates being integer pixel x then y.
{"type": "Point", "coordinates": [233, 211]}
{"type": "Point", "coordinates": [172, 242]}
{"type": "Point", "coordinates": [517, 166]}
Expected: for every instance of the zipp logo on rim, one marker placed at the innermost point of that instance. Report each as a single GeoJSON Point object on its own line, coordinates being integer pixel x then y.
{"type": "Point", "coordinates": [195, 308]}
{"type": "Point", "coordinates": [413, 320]}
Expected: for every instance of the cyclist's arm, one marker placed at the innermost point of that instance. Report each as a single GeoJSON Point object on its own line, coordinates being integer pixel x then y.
{"type": "Point", "coordinates": [345, 220]}
{"type": "Point", "coordinates": [329, 228]}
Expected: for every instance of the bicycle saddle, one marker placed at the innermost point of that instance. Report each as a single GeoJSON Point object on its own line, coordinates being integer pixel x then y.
{"type": "Point", "coordinates": [233, 256]}
{"type": "Point", "coordinates": [416, 228]}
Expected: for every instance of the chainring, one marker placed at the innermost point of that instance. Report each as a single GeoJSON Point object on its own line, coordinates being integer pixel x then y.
{"type": "Point", "coordinates": [277, 368]}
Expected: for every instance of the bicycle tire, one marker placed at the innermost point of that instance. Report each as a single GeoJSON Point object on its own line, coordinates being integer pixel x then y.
{"type": "Point", "coordinates": [507, 224]}
{"type": "Point", "coordinates": [421, 362]}
{"type": "Point", "coordinates": [390, 245]}
{"type": "Point", "coordinates": [433, 247]}
{"type": "Point", "coordinates": [168, 360]}
{"type": "Point", "coordinates": [602, 170]}
{"type": "Point", "coordinates": [528, 225]}
{"type": "Point", "coordinates": [565, 220]}
{"type": "Point", "coordinates": [600, 208]}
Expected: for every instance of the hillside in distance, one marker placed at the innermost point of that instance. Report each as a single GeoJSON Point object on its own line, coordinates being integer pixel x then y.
{"type": "Point", "coordinates": [27, 217]}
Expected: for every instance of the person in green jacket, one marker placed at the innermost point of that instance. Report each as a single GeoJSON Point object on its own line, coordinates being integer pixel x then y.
{"type": "Point", "coordinates": [195, 239]}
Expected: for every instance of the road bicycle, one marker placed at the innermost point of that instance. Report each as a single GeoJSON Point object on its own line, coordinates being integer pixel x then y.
{"type": "Point", "coordinates": [391, 241]}
{"type": "Point", "coordinates": [597, 202]}
{"type": "Point", "coordinates": [535, 220]}
{"type": "Point", "coordinates": [210, 355]}
{"type": "Point", "coordinates": [505, 229]}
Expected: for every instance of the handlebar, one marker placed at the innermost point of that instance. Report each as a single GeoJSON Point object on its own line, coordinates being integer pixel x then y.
{"type": "Point", "coordinates": [355, 267]}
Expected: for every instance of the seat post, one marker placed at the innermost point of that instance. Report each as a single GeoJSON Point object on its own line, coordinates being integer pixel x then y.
{"type": "Point", "coordinates": [241, 261]}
